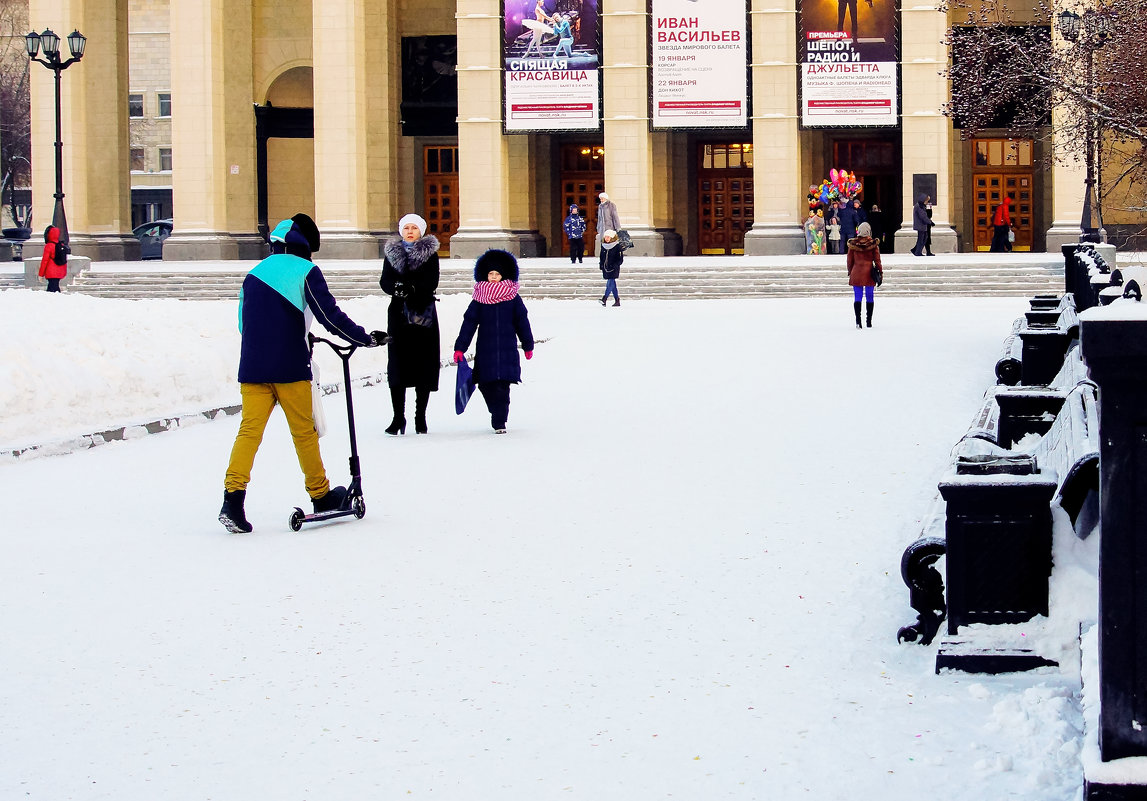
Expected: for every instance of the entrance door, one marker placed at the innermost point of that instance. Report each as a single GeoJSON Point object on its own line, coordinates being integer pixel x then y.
{"type": "Point", "coordinates": [440, 183]}
{"type": "Point", "coordinates": [582, 180]}
{"type": "Point", "coordinates": [725, 196]}
{"type": "Point", "coordinates": [990, 189]}
{"type": "Point", "coordinates": [876, 163]}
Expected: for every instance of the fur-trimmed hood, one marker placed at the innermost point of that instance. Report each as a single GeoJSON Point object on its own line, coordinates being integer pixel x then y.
{"type": "Point", "coordinates": [420, 252]}
{"type": "Point", "coordinates": [494, 259]}
{"type": "Point", "coordinates": [862, 243]}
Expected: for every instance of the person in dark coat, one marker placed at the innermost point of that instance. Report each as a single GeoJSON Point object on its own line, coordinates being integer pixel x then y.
{"type": "Point", "coordinates": [54, 261]}
{"type": "Point", "coordinates": [922, 225]}
{"type": "Point", "coordinates": [276, 303]}
{"type": "Point", "coordinates": [574, 226]}
{"type": "Point", "coordinates": [863, 255]}
{"type": "Point", "coordinates": [850, 217]}
{"type": "Point", "coordinates": [499, 317]}
{"type": "Point", "coordinates": [879, 225]}
{"type": "Point", "coordinates": [928, 211]}
{"type": "Point", "coordinates": [610, 259]}
{"type": "Point", "coordinates": [410, 277]}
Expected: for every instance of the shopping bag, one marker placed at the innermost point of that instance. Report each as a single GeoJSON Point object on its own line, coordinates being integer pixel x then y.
{"type": "Point", "coordinates": [317, 412]}
{"type": "Point", "coordinates": [464, 386]}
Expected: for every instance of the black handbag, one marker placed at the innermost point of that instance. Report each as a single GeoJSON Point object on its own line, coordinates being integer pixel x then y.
{"type": "Point", "coordinates": [420, 317]}
{"type": "Point", "coordinates": [624, 239]}
{"type": "Point", "coordinates": [877, 274]}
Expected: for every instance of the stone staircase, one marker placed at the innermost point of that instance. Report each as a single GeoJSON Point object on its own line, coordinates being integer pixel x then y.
{"type": "Point", "coordinates": [665, 278]}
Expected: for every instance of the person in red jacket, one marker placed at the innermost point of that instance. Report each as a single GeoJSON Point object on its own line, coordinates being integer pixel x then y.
{"type": "Point", "coordinates": [1002, 221]}
{"type": "Point", "coordinates": [54, 262]}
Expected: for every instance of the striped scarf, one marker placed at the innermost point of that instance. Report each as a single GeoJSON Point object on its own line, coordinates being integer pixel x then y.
{"type": "Point", "coordinates": [496, 291]}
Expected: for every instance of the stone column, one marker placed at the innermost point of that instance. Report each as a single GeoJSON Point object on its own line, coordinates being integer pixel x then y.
{"type": "Point", "coordinates": [484, 164]}
{"type": "Point", "coordinates": [93, 114]}
{"type": "Point", "coordinates": [777, 194]}
{"type": "Point", "coordinates": [1068, 178]}
{"type": "Point", "coordinates": [357, 66]}
{"type": "Point", "coordinates": [629, 144]}
{"type": "Point", "coordinates": [213, 133]}
{"type": "Point", "coordinates": [925, 149]}
{"type": "Point", "coordinates": [1113, 340]}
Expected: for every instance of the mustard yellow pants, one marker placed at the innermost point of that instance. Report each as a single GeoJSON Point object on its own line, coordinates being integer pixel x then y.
{"type": "Point", "coordinates": [258, 402]}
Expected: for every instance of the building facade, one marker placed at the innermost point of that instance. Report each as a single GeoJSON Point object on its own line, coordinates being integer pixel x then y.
{"type": "Point", "coordinates": [359, 111]}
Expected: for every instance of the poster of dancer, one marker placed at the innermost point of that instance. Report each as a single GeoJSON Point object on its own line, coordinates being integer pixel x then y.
{"type": "Point", "coordinates": [700, 53]}
{"type": "Point", "coordinates": [551, 51]}
{"type": "Point", "coordinates": [848, 57]}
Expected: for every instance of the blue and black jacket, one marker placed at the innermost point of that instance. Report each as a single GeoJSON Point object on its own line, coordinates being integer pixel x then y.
{"type": "Point", "coordinates": [279, 298]}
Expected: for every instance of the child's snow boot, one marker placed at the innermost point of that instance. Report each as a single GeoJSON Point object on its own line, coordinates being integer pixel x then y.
{"type": "Point", "coordinates": [231, 515]}
{"type": "Point", "coordinates": [331, 501]}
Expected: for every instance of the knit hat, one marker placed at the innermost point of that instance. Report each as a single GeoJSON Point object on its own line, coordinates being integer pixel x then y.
{"type": "Point", "coordinates": [603, 197]}
{"type": "Point", "coordinates": [412, 218]}
{"type": "Point", "coordinates": [499, 260]}
{"type": "Point", "coordinates": [298, 236]}
{"type": "Point", "coordinates": [573, 208]}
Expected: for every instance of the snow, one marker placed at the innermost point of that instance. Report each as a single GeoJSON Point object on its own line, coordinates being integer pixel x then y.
{"type": "Point", "coordinates": [676, 577]}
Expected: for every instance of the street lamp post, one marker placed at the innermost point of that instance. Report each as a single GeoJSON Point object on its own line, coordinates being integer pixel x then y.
{"type": "Point", "coordinates": [50, 43]}
{"type": "Point", "coordinates": [1090, 31]}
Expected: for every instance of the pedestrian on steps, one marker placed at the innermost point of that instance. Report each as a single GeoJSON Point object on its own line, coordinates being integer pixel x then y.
{"type": "Point", "coordinates": [610, 259]}
{"type": "Point", "coordinates": [54, 262]}
{"type": "Point", "coordinates": [863, 255]}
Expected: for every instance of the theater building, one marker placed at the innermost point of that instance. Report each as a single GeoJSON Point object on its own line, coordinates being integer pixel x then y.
{"type": "Point", "coordinates": [706, 121]}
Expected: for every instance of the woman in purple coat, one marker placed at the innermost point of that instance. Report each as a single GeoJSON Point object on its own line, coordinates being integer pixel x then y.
{"type": "Point", "coordinates": [499, 317]}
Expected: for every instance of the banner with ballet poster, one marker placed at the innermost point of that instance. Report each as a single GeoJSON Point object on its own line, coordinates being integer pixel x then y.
{"type": "Point", "coordinates": [551, 51]}
{"type": "Point", "coordinates": [700, 57]}
{"type": "Point", "coordinates": [848, 58]}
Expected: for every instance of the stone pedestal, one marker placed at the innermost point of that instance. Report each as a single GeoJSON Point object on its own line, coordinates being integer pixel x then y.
{"type": "Point", "coordinates": [32, 279]}
{"type": "Point", "coordinates": [774, 240]}
{"type": "Point", "coordinates": [470, 244]}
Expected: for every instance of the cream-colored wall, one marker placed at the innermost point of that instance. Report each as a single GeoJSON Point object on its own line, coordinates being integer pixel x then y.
{"type": "Point", "coordinates": [290, 178]}
{"type": "Point", "coordinates": [282, 40]}
{"type": "Point", "coordinates": [149, 73]}
{"type": "Point", "coordinates": [293, 89]}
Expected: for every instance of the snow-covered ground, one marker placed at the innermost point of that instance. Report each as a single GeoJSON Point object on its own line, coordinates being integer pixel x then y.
{"type": "Point", "coordinates": [676, 577]}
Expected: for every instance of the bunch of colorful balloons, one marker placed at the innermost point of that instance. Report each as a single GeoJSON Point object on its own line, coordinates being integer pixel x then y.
{"type": "Point", "coordinates": [842, 188]}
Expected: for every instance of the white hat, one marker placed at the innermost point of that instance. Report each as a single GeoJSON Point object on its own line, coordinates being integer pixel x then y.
{"type": "Point", "coordinates": [412, 218]}
{"type": "Point", "coordinates": [603, 197]}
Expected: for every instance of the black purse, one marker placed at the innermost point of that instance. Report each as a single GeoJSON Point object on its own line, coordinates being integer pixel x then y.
{"type": "Point", "coordinates": [877, 274]}
{"type": "Point", "coordinates": [423, 318]}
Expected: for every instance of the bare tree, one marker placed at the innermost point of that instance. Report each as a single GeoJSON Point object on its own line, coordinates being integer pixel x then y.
{"type": "Point", "coordinates": [15, 108]}
{"type": "Point", "coordinates": [1009, 72]}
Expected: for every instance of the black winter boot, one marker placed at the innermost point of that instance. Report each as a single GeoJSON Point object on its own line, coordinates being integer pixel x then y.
{"type": "Point", "coordinates": [421, 399]}
{"type": "Point", "coordinates": [856, 310]}
{"type": "Point", "coordinates": [398, 401]}
{"type": "Point", "coordinates": [331, 501]}
{"type": "Point", "coordinates": [868, 315]}
{"type": "Point", "coordinates": [231, 515]}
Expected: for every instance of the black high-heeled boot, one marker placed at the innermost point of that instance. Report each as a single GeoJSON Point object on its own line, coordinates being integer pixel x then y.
{"type": "Point", "coordinates": [421, 399]}
{"type": "Point", "coordinates": [856, 310]}
{"type": "Point", "coordinates": [868, 318]}
{"type": "Point", "coordinates": [398, 401]}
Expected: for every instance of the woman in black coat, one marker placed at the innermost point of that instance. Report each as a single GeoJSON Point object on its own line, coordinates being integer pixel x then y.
{"type": "Point", "coordinates": [610, 259]}
{"type": "Point", "coordinates": [410, 277]}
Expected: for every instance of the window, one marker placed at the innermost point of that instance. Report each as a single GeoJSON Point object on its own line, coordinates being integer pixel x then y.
{"type": "Point", "coordinates": [164, 104]}
{"type": "Point", "coordinates": [165, 159]}
{"type": "Point", "coordinates": [135, 106]}
{"type": "Point", "coordinates": [1003, 152]}
{"type": "Point", "coordinates": [137, 159]}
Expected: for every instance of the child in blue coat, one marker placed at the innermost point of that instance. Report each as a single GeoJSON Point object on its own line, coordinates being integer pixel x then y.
{"type": "Point", "coordinates": [499, 317]}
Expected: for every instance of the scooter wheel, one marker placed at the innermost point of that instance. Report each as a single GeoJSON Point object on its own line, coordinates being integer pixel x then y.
{"type": "Point", "coordinates": [296, 519]}
{"type": "Point", "coordinates": [358, 506]}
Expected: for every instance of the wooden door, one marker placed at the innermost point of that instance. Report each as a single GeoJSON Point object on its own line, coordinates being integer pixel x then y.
{"type": "Point", "coordinates": [990, 189]}
{"type": "Point", "coordinates": [582, 180]}
{"type": "Point", "coordinates": [440, 186]}
{"type": "Point", "coordinates": [724, 197]}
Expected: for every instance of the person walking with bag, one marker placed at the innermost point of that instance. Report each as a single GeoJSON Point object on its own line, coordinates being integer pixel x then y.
{"type": "Point", "coordinates": [608, 218]}
{"type": "Point", "coordinates": [1002, 224]}
{"type": "Point", "coordinates": [922, 225]}
{"type": "Point", "coordinates": [278, 298]}
{"type": "Point", "coordinates": [574, 226]}
{"type": "Point", "coordinates": [54, 261]}
{"type": "Point", "coordinates": [865, 271]}
{"type": "Point", "coordinates": [610, 259]}
{"type": "Point", "coordinates": [499, 318]}
{"type": "Point", "coordinates": [410, 276]}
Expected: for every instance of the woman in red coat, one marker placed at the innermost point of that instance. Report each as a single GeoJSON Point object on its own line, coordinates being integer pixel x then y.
{"type": "Point", "coordinates": [54, 262]}
{"type": "Point", "coordinates": [1002, 224]}
{"type": "Point", "coordinates": [863, 255]}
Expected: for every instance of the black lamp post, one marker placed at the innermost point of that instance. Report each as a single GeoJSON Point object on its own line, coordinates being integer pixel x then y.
{"type": "Point", "coordinates": [50, 43]}
{"type": "Point", "coordinates": [1091, 32]}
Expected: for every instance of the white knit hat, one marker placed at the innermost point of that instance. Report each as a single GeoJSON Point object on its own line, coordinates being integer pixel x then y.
{"type": "Point", "coordinates": [412, 218]}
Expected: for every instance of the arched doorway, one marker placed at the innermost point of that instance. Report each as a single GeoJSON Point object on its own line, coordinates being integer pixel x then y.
{"type": "Point", "coordinates": [285, 142]}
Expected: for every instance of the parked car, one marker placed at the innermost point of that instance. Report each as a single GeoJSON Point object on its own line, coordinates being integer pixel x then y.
{"type": "Point", "coordinates": [151, 236]}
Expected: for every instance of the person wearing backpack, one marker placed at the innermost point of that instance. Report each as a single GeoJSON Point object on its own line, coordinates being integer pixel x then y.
{"type": "Point", "coordinates": [54, 261]}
